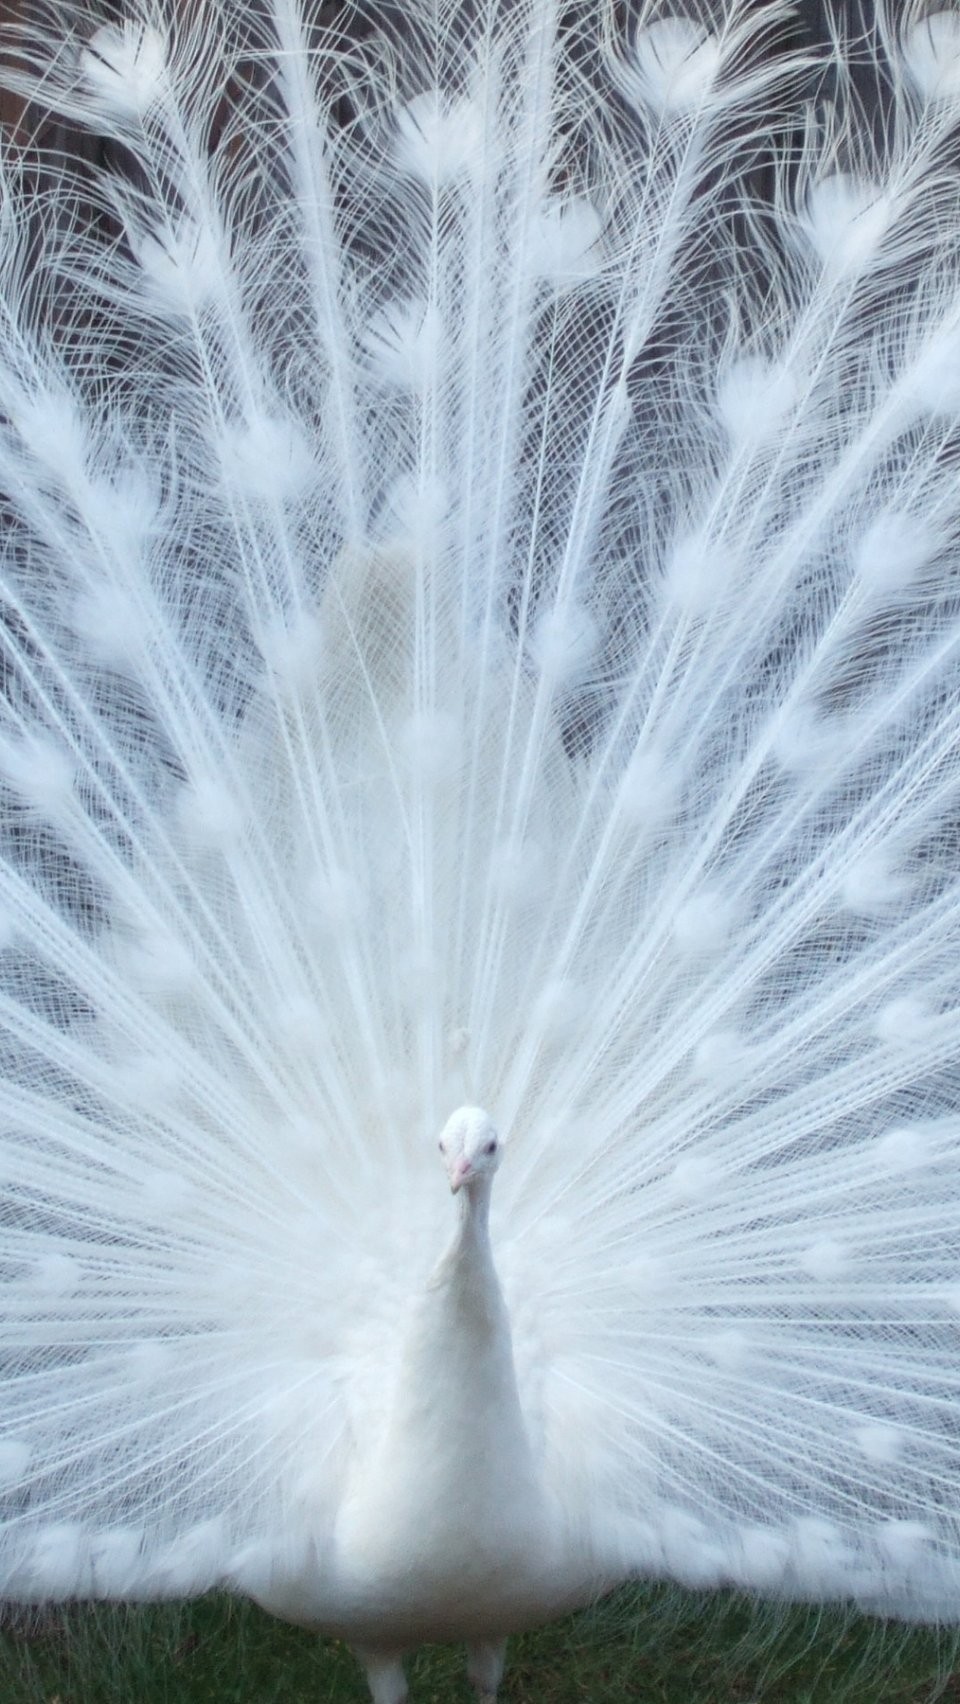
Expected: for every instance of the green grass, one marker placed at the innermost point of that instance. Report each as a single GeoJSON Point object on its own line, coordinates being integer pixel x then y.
{"type": "Point", "coordinates": [655, 1645]}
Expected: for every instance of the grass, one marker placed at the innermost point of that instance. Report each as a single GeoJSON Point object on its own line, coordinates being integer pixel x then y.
{"type": "Point", "coordinates": [655, 1645]}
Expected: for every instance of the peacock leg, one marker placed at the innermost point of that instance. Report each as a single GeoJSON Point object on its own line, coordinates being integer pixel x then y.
{"type": "Point", "coordinates": [485, 1665]}
{"type": "Point", "coordinates": [385, 1677]}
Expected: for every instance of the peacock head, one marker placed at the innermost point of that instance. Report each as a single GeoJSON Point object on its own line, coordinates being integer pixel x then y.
{"type": "Point", "coordinates": [470, 1147]}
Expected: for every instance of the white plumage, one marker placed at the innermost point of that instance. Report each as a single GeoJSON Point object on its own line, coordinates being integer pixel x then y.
{"type": "Point", "coordinates": [480, 629]}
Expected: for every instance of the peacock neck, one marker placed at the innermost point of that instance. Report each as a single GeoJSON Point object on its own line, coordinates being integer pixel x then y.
{"type": "Point", "coordinates": [471, 1240]}
{"type": "Point", "coordinates": [457, 1361]}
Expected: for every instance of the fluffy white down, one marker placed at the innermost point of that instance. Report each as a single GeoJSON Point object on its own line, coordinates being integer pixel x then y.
{"type": "Point", "coordinates": [479, 627]}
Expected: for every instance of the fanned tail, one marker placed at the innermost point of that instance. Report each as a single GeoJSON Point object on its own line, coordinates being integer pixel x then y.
{"type": "Point", "coordinates": [479, 621]}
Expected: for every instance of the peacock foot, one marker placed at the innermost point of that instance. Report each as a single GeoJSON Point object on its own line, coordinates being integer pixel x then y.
{"type": "Point", "coordinates": [485, 1665]}
{"type": "Point", "coordinates": [385, 1677]}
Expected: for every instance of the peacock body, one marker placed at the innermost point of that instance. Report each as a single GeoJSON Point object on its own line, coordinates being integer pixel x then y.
{"type": "Point", "coordinates": [480, 662]}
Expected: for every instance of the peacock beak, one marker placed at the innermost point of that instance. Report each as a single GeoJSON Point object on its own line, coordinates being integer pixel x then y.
{"type": "Point", "coordinates": [458, 1176]}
